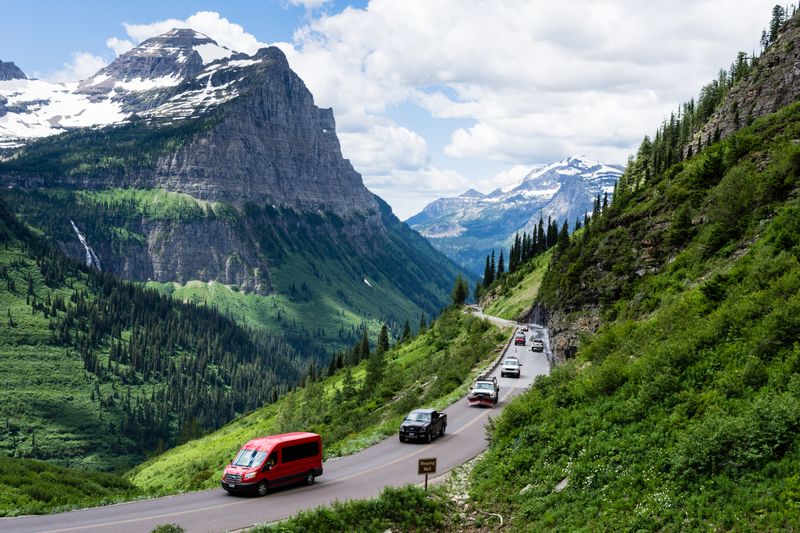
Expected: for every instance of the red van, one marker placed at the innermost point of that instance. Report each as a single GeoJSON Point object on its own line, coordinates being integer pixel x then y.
{"type": "Point", "coordinates": [268, 462]}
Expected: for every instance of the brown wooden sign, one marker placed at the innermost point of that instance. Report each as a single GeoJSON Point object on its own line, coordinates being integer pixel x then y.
{"type": "Point", "coordinates": [427, 466]}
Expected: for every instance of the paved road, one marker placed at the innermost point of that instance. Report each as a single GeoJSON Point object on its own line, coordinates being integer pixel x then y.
{"type": "Point", "coordinates": [361, 475]}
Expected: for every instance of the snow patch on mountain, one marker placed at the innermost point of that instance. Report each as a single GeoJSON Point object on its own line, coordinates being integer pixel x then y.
{"type": "Point", "coordinates": [211, 52]}
{"type": "Point", "coordinates": [177, 75]}
{"type": "Point", "coordinates": [468, 226]}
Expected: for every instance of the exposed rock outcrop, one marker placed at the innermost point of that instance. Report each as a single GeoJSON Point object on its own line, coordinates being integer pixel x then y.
{"type": "Point", "coordinates": [774, 83]}
{"type": "Point", "coordinates": [10, 71]}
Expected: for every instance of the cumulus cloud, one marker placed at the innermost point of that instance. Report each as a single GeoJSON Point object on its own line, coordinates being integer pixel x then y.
{"type": "Point", "coordinates": [209, 23]}
{"type": "Point", "coordinates": [538, 81]}
{"type": "Point", "coordinates": [525, 82]}
{"type": "Point", "coordinates": [119, 46]}
{"type": "Point", "coordinates": [82, 66]}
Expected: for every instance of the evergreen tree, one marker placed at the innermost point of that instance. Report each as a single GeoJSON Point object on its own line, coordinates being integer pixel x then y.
{"type": "Point", "coordinates": [541, 239]}
{"type": "Point", "coordinates": [422, 325]}
{"type": "Point", "coordinates": [487, 273]}
{"type": "Point", "coordinates": [492, 268]}
{"type": "Point", "coordinates": [376, 364]}
{"type": "Point", "coordinates": [383, 339]}
{"type": "Point", "coordinates": [406, 331]}
{"type": "Point", "coordinates": [478, 291]}
{"type": "Point", "coordinates": [563, 238]}
{"type": "Point", "coordinates": [501, 265]}
{"type": "Point", "coordinates": [778, 17]}
{"type": "Point", "coordinates": [363, 351]}
{"type": "Point", "coordinates": [460, 291]}
{"type": "Point", "coordinates": [681, 226]}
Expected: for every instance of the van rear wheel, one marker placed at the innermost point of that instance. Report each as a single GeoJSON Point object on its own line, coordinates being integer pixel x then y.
{"type": "Point", "coordinates": [262, 488]}
{"type": "Point", "coordinates": [310, 478]}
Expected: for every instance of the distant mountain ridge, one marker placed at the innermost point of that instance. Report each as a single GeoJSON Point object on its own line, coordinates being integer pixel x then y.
{"type": "Point", "coordinates": [467, 227]}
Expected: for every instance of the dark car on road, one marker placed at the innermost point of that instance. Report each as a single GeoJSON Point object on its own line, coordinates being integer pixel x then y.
{"type": "Point", "coordinates": [423, 424]}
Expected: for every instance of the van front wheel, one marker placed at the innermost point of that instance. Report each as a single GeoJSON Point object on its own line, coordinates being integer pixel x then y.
{"type": "Point", "coordinates": [310, 478]}
{"type": "Point", "coordinates": [262, 488]}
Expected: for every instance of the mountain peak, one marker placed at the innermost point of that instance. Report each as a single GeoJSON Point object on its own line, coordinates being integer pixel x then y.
{"type": "Point", "coordinates": [10, 71]}
{"type": "Point", "coordinates": [472, 193]}
{"type": "Point", "coordinates": [179, 53]}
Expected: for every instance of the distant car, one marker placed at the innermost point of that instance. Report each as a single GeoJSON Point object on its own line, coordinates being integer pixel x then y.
{"type": "Point", "coordinates": [423, 424]}
{"type": "Point", "coordinates": [484, 391]}
{"type": "Point", "coordinates": [519, 339]}
{"type": "Point", "coordinates": [511, 367]}
{"type": "Point", "coordinates": [537, 345]}
{"type": "Point", "coordinates": [524, 327]}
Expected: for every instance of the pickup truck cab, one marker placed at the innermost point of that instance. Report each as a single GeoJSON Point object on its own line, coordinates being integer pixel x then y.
{"type": "Point", "coordinates": [484, 392]}
{"type": "Point", "coordinates": [268, 462]}
{"type": "Point", "coordinates": [537, 345]}
{"type": "Point", "coordinates": [511, 367]}
{"type": "Point", "coordinates": [423, 424]}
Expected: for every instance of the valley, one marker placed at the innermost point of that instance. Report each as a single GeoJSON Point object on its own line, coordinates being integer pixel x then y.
{"type": "Point", "coordinates": [189, 259]}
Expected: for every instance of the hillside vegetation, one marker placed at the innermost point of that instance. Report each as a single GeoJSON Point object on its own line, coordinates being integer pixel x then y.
{"type": "Point", "coordinates": [317, 285]}
{"type": "Point", "coordinates": [351, 409]}
{"type": "Point", "coordinates": [511, 297]}
{"type": "Point", "coordinates": [683, 410]}
{"type": "Point", "coordinates": [97, 372]}
{"type": "Point", "coordinates": [36, 487]}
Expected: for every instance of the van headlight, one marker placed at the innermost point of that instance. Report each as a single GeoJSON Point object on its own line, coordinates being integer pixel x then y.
{"type": "Point", "coordinates": [250, 475]}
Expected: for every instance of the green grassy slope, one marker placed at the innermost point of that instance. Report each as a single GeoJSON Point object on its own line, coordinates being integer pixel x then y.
{"type": "Point", "coordinates": [513, 294]}
{"type": "Point", "coordinates": [434, 369]}
{"type": "Point", "coordinates": [36, 487]}
{"type": "Point", "coordinates": [683, 411]}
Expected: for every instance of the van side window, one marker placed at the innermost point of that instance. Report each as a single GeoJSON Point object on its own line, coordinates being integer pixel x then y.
{"type": "Point", "coordinates": [300, 451]}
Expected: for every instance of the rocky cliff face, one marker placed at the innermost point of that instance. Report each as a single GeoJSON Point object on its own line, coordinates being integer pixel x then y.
{"type": "Point", "coordinates": [774, 83]}
{"type": "Point", "coordinates": [272, 146]}
{"type": "Point", "coordinates": [10, 71]}
{"type": "Point", "coordinates": [272, 198]}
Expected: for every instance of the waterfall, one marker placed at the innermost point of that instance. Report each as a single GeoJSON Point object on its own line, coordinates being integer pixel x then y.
{"type": "Point", "coordinates": [91, 257]}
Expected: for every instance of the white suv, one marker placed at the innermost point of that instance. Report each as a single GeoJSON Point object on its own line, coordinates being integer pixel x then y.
{"type": "Point", "coordinates": [511, 366]}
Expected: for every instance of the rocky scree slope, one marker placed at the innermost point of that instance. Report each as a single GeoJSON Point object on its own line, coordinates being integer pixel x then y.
{"type": "Point", "coordinates": [470, 226]}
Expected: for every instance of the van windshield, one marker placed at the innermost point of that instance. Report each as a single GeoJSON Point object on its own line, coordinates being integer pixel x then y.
{"type": "Point", "coordinates": [249, 458]}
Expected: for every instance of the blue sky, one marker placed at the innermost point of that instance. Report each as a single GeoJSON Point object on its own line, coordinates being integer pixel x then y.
{"type": "Point", "coordinates": [434, 97]}
{"type": "Point", "coordinates": [40, 35]}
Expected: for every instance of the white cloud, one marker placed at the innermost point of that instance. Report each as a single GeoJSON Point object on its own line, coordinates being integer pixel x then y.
{"type": "Point", "coordinates": [524, 82]}
{"type": "Point", "coordinates": [508, 178]}
{"type": "Point", "coordinates": [407, 191]}
{"type": "Point", "coordinates": [82, 66]}
{"type": "Point", "coordinates": [309, 4]}
{"type": "Point", "coordinates": [538, 81]}
{"type": "Point", "coordinates": [209, 23]}
{"type": "Point", "coordinates": [384, 148]}
{"type": "Point", "coordinates": [119, 46]}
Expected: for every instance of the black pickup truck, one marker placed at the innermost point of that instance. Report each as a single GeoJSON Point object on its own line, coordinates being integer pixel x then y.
{"type": "Point", "coordinates": [423, 424]}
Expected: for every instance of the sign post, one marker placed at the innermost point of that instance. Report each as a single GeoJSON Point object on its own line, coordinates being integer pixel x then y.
{"type": "Point", "coordinates": [426, 466]}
